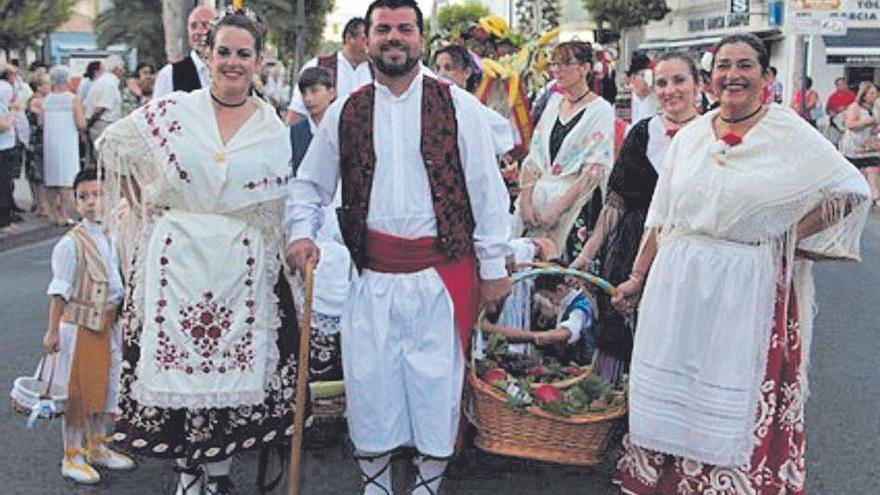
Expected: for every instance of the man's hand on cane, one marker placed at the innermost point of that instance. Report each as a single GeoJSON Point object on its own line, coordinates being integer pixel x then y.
{"type": "Point", "coordinates": [300, 251]}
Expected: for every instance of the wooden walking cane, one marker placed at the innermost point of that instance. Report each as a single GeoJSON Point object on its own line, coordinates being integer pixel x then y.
{"type": "Point", "coordinates": [302, 378]}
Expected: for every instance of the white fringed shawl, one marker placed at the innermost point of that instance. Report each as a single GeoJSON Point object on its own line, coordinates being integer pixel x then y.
{"type": "Point", "coordinates": [204, 241]}
{"type": "Point", "coordinates": [720, 209]}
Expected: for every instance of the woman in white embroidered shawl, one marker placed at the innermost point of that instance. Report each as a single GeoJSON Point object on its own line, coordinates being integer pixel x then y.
{"type": "Point", "coordinates": [718, 376]}
{"type": "Point", "coordinates": [209, 364]}
{"type": "Point", "coordinates": [570, 157]}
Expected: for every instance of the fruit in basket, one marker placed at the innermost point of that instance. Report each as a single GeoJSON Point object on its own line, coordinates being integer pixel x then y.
{"type": "Point", "coordinates": [574, 371]}
{"type": "Point", "coordinates": [536, 371]}
{"type": "Point", "coordinates": [497, 377]}
{"type": "Point", "coordinates": [598, 405]}
{"type": "Point", "coordinates": [548, 394]}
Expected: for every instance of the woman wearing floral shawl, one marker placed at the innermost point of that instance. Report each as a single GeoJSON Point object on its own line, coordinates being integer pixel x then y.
{"type": "Point", "coordinates": [569, 159]}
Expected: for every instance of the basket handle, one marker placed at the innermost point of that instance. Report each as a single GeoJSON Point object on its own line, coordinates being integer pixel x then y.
{"type": "Point", "coordinates": [39, 375]}
{"type": "Point", "coordinates": [534, 270]}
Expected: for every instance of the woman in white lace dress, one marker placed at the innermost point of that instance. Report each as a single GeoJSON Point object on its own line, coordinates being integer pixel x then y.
{"type": "Point", "coordinates": [747, 196]}
{"type": "Point", "coordinates": [209, 363]}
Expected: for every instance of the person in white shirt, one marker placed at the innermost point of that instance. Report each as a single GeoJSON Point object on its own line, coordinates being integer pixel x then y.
{"type": "Point", "coordinates": [349, 67]}
{"type": "Point", "coordinates": [191, 73]}
{"type": "Point", "coordinates": [644, 102]}
{"type": "Point", "coordinates": [440, 195]}
{"type": "Point", "coordinates": [452, 62]}
{"type": "Point", "coordinates": [104, 102]}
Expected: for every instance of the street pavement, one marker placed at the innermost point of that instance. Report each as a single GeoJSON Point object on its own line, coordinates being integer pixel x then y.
{"type": "Point", "coordinates": [843, 426]}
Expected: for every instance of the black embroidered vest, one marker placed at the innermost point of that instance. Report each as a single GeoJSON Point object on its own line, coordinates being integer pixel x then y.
{"type": "Point", "coordinates": [439, 147]}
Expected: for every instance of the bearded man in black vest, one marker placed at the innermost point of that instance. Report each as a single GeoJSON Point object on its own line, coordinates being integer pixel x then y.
{"type": "Point", "coordinates": [424, 216]}
{"type": "Point", "coordinates": [190, 73]}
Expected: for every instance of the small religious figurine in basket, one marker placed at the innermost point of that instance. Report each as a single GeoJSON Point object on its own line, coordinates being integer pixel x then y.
{"type": "Point", "coordinates": [86, 286]}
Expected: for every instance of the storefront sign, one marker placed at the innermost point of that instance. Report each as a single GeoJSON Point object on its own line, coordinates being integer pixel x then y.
{"type": "Point", "coordinates": [716, 22]}
{"type": "Point", "coordinates": [739, 7]}
{"type": "Point", "coordinates": [862, 13]}
{"type": "Point", "coordinates": [825, 17]}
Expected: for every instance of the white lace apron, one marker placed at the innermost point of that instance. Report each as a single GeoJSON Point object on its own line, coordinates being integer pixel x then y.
{"type": "Point", "coordinates": [207, 250]}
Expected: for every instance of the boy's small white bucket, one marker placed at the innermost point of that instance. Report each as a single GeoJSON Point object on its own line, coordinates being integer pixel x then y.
{"type": "Point", "coordinates": [37, 396]}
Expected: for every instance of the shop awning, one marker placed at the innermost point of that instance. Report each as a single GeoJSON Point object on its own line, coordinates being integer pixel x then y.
{"type": "Point", "coordinates": [858, 47]}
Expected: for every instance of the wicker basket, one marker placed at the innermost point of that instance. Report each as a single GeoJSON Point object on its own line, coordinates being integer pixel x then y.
{"type": "Point", "coordinates": [29, 393]}
{"type": "Point", "coordinates": [534, 433]}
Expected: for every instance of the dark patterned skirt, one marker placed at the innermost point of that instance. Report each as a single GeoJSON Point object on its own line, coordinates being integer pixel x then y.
{"type": "Point", "coordinates": [583, 227]}
{"type": "Point", "coordinates": [613, 333]}
{"type": "Point", "coordinates": [212, 434]}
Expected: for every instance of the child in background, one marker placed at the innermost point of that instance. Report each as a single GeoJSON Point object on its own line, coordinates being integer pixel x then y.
{"type": "Point", "coordinates": [85, 290]}
{"type": "Point", "coordinates": [570, 340]}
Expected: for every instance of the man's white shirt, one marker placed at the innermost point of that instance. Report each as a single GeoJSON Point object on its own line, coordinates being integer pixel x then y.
{"type": "Point", "coordinates": [165, 81]}
{"type": "Point", "coordinates": [348, 79]}
{"type": "Point", "coordinates": [105, 93]}
{"type": "Point", "coordinates": [402, 204]}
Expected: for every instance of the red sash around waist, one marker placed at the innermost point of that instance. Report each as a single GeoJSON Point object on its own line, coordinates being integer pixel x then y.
{"type": "Point", "coordinates": [391, 254]}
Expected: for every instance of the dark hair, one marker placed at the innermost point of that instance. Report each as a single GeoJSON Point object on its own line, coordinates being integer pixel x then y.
{"type": "Point", "coordinates": [37, 64]}
{"type": "Point", "coordinates": [692, 66]}
{"type": "Point", "coordinates": [91, 69]}
{"type": "Point", "coordinates": [838, 79]}
{"type": "Point", "coordinates": [313, 76]}
{"type": "Point", "coordinates": [578, 51]}
{"type": "Point", "coordinates": [394, 5]}
{"type": "Point", "coordinates": [808, 82]}
{"type": "Point", "coordinates": [457, 53]}
{"type": "Point", "coordinates": [749, 39]}
{"type": "Point", "coordinates": [351, 27]}
{"type": "Point", "coordinates": [549, 281]}
{"type": "Point", "coordinates": [461, 58]}
{"type": "Point", "coordinates": [772, 70]}
{"type": "Point", "coordinates": [86, 175]}
{"type": "Point", "coordinates": [241, 22]}
{"type": "Point", "coordinates": [140, 66]}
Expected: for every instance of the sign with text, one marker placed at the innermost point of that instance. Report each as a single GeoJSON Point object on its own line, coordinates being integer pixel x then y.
{"type": "Point", "coordinates": [739, 7]}
{"type": "Point", "coordinates": [820, 17]}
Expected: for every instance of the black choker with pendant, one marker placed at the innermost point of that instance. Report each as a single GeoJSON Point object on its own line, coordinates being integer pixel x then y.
{"type": "Point", "coordinates": [742, 119]}
{"type": "Point", "coordinates": [579, 98]}
{"type": "Point", "coordinates": [226, 105]}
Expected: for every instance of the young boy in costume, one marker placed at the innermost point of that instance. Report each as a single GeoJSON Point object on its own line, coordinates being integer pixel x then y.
{"type": "Point", "coordinates": [85, 290]}
{"type": "Point", "coordinates": [570, 339]}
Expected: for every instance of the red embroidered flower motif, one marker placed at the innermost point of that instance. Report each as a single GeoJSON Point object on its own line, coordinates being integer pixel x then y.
{"type": "Point", "coordinates": [206, 321]}
{"type": "Point", "coordinates": [265, 182]}
{"type": "Point", "coordinates": [671, 132]}
{"type": "Point", "coordinates": [731, 139]}
{"type": "Point", "coordinates": [598, 136]}
{"type": "Point", "coordinates": [556, 169]}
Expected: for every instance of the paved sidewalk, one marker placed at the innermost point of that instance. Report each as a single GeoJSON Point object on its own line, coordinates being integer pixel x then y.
{"type": "Point", "coordinates": [34, 228]}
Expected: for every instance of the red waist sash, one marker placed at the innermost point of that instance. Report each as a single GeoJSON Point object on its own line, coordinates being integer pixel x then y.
{"type": "Point", "coordinates": [391, 254]}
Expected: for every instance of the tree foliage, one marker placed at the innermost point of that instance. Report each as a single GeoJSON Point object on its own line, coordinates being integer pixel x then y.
{"type": "Point", "coordinates": [22, 22]}
{"type": "Point", "coordinates": [279, 16]}
{"type": "Point", "coordinates": [458, 18]}
{"type": "Point", "coordinates": [525, 15]}
{"type": "Point", "coordinates": [138, 24]}
{"type": "Point", "coordinates": [621, 14]}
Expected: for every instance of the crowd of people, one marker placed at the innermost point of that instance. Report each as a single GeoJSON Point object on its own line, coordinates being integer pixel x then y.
{"type": "Point", "coordinates": [174, 300]}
